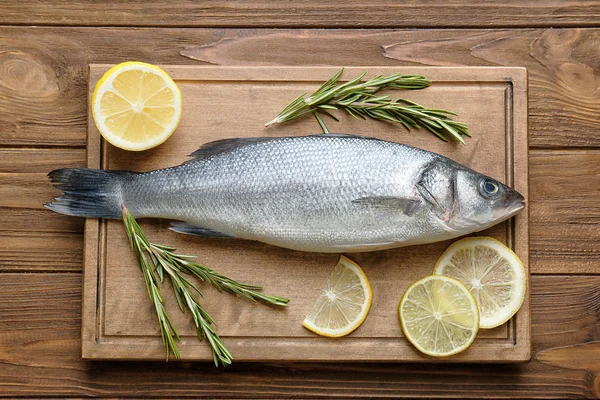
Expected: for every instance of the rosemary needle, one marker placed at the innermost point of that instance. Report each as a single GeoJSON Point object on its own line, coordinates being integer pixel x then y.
{"type": "Point", "coordinates": [360, 100]}
{"type": "Point", "coordinates": [156, 260]}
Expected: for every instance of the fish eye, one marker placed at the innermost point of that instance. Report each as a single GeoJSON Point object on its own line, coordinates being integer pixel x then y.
{"type": "Point", "coordinates": [489, 188]}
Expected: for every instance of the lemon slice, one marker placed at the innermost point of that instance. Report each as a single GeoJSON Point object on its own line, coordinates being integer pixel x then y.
{"type": "Point", "coordinates": [439, 316]}
{"type": "Point", "coordinates": [136, 106]}
{"type": "Point", "coordinates": [343, 305]}
{"type": "Point", "coordinates": [492, 272]}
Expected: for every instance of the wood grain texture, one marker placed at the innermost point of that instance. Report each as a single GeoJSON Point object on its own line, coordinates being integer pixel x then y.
{"type": "Point", "coordinates": [40, 251]}
{"type": "Point", "coordinates": [39, 337]}
{"type": "Point", "coordinates": [31, 237]}
{"type": "Point", "coordinates": [572, 357]}
{"type": "Point", "coordinates": [565, 211]}
{"type": "Point", "coordinates": [566, 310]}
{"type": "Point", "coordinates": [28, 160]}
{"type": "Point", "coordinates": [25, 190]}
{"type": "Point", "coordinates": [43, 78]}
{"type": "Point", "coordinates": [44, 70]}
{"type": "Point", "coordinates": [304, 13]}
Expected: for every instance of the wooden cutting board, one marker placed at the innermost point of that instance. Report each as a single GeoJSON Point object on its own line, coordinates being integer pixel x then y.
{"type": "Point", "coordinates": [221, 102]}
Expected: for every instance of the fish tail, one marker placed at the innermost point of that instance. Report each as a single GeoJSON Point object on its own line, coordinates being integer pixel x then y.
{"type": "Point", "coordinates": [88, 192]}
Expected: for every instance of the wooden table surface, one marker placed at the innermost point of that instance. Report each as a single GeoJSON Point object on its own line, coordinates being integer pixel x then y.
{"type": "Point", "coordinates": [45, 48]}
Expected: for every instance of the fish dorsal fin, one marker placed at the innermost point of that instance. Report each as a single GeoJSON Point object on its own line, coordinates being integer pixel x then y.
{"type": "Point", "coordinates": [223, 146]}
{"type": "Point", "coordinates": [342, 135]}
{"type": "Point", "coordinates": [399, 204]}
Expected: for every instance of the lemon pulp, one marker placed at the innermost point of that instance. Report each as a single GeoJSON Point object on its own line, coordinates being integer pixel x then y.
{"type": "Point", "coordinates": [439, 316]}
{"type": "Point", "coordinates": [343, 305]}
{"type": "Point", "coordinates": [136, 106]}
{"type": "Point", "coordinates": [492, 272]}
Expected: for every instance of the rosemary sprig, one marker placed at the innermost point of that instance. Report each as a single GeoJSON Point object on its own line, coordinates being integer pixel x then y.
{"type": "Point", "coordinates": [360, 100]}
{"type": "Point", "coordinates": [156, 260]}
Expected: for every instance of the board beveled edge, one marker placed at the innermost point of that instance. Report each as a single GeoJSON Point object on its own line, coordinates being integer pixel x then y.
{"type": "Point", "coordinates": [89, 319]}
{"type": "Point", "coordinates": [245, 349]}
{"type": "Point", "coordinates": [521, 164]}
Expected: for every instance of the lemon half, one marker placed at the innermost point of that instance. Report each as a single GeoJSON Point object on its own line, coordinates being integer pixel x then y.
{"type": "Point", "coordinates": [344, 304]}
{"type": "Point", "coordinates": [439, 316]}
{"type": "Point", "coordinates": [136, 106]}
{"type": "Point", "coordinates": [492, 272]}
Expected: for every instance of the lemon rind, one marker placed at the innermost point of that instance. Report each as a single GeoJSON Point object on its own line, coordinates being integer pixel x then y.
{"type": "Point", "coordinates": [496, 244]}
{"type": "Point", "coordinates": [335, 333]}
{"type": "Point", "coordinates": [416, 344]}
{"type": "Point", "coordinates": [107, 79]}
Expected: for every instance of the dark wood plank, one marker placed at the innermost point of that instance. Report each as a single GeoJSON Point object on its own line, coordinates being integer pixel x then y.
{"type": "Point", "coordinates": [565, 311]}
{"type": "Point", "coordinates": [25, 190]}
{"type": "Point", "coordinates": [39, 356]}
{"type": "Point", "coordinates": [31, 237]}
{"type": "Point", "coordinates": [44, 70]}
{"type": "Point", "coordinates": [23, 174]}
{"type": "Point", "coordinates": [34, 221]}
{"type": "Point", "coordinates": [304, 13]}
{"type": "Point", "coordinates": [564, 211]}
{"type": "Point", "coordinates": [41, 251]}
{"type": "Point", "coordinates": [27, 160]}
{"type": "Point", "coordinates": [570, 357]}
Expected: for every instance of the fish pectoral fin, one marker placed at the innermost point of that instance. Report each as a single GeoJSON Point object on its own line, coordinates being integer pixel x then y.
{"type": "Point", "coordinates": [406, 206]}
{"type": "Point", "coordinates": [189, 229]}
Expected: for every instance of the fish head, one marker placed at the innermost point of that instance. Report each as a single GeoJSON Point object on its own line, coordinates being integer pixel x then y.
{"type": "Point", "coordinates": [463, 200]}
{"type": "Point", "coordinates": [482, 201]}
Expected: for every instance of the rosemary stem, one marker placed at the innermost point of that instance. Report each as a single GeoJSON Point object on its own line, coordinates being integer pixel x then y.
{"type": "Point", "coordinates": [359, 99]}
{"type": "Point", "coordinates": [157, 260]}
{"type": "Point", "coordinates": [273, 122]}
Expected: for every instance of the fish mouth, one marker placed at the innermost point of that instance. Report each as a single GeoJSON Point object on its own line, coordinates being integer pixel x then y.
{"type": "Point", "coordinates": [515, 203]}
{"type": "Point", "coordinates": [511, 206]}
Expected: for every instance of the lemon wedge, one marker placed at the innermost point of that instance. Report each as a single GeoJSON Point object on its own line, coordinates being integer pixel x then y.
{"type": "Point", "coordinates": [136, 106]}
{"type": "Point", "coordinates": [344, 304]}
{"type": "Point", "coordinates": [439, 316]}
{"type": "Point", "coordinates": [492, 272]}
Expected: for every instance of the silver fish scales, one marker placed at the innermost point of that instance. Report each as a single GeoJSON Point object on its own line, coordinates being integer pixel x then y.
{"type": "Point", "coordinates": [323, 193]}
